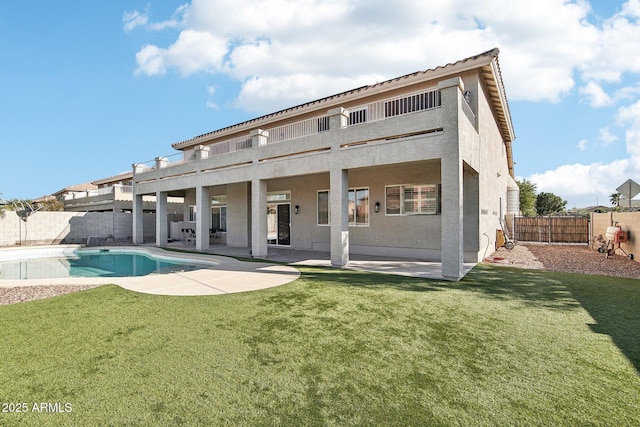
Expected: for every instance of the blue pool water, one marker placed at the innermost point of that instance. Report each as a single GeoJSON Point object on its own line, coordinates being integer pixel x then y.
{"type": "Point", "coordinates": [93, 264]}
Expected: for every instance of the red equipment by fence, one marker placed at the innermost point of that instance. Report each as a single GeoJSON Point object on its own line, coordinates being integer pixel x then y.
{"type": "Point", "coordinates": [614, 236]}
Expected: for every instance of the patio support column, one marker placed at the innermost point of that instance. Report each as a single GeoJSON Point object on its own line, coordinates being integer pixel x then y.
{"type": "Point", "coordinates": [339, 202]}
{"type": "Point", "coordinates": [452, 219]}
{"type": "Point", "coordinates": [162, 231]}
{"type": "Point", "coordinates": [203, 218]}
{"type": "Point", "coordinates": [138, 220]}
{"type": "Point", "coordinates": [258, 218]}
{"type": "Point", "coordinates": [452, 239]}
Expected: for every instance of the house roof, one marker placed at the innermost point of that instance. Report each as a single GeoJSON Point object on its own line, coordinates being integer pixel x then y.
{"type": "Point", "coordinates": [486, 62]}
{"type": "Point", "coordinates": [78, 187]}
{"type": "Point", "coordinates": [116, 178]}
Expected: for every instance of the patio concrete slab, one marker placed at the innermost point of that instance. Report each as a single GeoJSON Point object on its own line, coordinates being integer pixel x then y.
{"type": "Point", "coordinates": [372, 263]}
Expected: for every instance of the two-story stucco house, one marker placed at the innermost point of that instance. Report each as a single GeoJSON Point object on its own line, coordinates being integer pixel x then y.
{"type": "Point", "coordinates": [419, 166]}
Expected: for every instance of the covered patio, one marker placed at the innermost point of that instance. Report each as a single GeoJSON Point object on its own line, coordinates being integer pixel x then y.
{"type": "Point", "coordinates": [378, 264]}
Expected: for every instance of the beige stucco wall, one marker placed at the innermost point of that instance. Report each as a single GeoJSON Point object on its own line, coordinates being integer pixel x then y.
{"type": "Point", "coordinates": [69, 227]}
{"type": "Point", "coordinates": [410, 235]}
{"type": "Point", "coordinates": [489, 158]}
{"type": "Point", "coordinates": [389, 152]}
{"type": "Point", "coordinates": [629, 221]}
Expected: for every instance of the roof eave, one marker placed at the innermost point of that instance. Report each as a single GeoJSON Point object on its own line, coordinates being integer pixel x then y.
{"type": "Point", "coordinates": [487, 62]}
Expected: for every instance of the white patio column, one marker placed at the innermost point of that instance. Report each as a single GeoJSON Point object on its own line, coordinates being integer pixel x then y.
{"type": "Point", "coordinates": [162, 227]}
{"type": "Point", "coordinates": [452, 219]}
{"type": "Point", "coordinates": [452, 243]}
{"type": "Point", "coordinates": [339, 203]}
{"type": "Point", "coordinates": [259, 218]}
{"type": "Point", "coordinates": [138, 220]}
{"type": "Point", "coordinates": [203, 217]}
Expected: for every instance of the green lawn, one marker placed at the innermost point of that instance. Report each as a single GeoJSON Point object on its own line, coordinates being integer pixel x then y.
{"type": "Point", "coordinates": [502, 347]}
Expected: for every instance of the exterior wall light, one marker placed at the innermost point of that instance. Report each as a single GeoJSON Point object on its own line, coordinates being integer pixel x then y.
{"type": "Point", "coordinates": [376, 207]}
{"type": "Point", "coordinates": [296, 209]}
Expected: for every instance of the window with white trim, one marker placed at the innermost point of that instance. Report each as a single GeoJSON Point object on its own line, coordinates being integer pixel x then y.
{"type": "Point", "coordinates": [219, 213]}
{"type": "Point", "coordinates": [357, 208]}
{"type": "Point", "coordinates": [323, 207]}
{"type": "Point", "coordinates": [192, 213]}
{"type": "Point", "coordinates": [411, 199]}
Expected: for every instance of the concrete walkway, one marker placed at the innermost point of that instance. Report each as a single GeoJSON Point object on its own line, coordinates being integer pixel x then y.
{"type": "Point", "coordinates": [377, 264]}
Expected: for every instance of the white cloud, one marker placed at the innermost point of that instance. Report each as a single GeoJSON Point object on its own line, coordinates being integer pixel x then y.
{"type": "Point", "coordinates": [284, 52]}
{"type": "Point", "coordinates": [134, 19]}
{"type": "Point", "coordinates": [194, 51]}
{"type": "Point", "coordinates": [595, 95]}
{"type": "Point", "coordinates": [617, 46]}
{"type": "Point", "coordinates": [631, 115]}
{"type": "Point", "coordinates": [542, 43]}
{"type": "Point", "coordinates": [581, 184]}
{"type": "Point", "coordinates": [295, 89]}
{"type": "Point", "coordinates": [150, 61]}
{"type": "Point", "coordinates": [606, 137]}
{"type": "Point", "coordinates": [587, 181]}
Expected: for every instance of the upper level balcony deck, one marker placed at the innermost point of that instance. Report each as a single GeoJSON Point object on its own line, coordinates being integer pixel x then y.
{"type": "Point", "coordinates": [358, 125]}
{"type": "Point", "coordinates": [113, 192]}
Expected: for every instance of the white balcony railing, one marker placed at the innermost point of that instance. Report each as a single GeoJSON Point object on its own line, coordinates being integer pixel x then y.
{"type": "Point", "coordinates": [372, 112]}
{"type": "Point", "coordinates": [230, 145]}
{"type": "Point", "coordinates": [113, 189]}
{"type": "Point", "coordinates": [298, 129]}
{"type": "Point", "coordinates": [392, 107]}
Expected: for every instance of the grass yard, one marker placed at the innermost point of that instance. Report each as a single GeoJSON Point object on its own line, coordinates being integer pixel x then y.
{"type": "Point", "coordinates": [502, 347]}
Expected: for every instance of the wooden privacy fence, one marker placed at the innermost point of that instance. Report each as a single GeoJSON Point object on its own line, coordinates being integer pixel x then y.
{"type": "Point", "coordinates": [551, 229]}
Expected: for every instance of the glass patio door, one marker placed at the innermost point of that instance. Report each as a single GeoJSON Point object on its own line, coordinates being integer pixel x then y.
{"type": "Point", "coordinates": [279, 224]}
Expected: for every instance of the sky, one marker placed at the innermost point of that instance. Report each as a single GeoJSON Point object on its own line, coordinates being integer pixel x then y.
{"type": "Point", "coordinates": [89, 88]}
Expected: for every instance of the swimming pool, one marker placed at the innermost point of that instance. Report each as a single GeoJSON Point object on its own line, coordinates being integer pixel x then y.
{"type": "Point", "coordinates": [93, 263]}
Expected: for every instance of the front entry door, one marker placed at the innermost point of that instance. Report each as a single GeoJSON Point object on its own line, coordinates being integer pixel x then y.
{"type": "Point", "coordinates": [279, 224]}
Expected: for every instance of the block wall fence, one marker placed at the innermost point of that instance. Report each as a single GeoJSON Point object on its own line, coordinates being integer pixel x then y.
{"type": "Point", "coordinates": [50, 228]}
{"type": "Point", "coordinates": [628, 221]}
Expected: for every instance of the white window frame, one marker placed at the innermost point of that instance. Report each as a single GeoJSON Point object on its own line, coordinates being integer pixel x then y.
{"type": "Point", "coordinates": [192, 213]}
{"type": "Point", "coordinates": [352, 192]}
{"type": "Point", "coordinates": [425, 205]}
{"type": "Point", "coordinates": [219, 203]}
{"type": "Point", "coordinates": [318, 209]}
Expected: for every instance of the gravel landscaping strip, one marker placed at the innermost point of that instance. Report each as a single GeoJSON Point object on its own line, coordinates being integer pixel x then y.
{"type": "Point", "coordinates": [29, 293]}
{"type": "Point", "coordinates": [568, 258]}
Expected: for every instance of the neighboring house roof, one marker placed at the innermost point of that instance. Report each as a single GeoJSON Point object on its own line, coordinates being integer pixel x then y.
{"type": "Point", "coordinates": [124, 176]}
{"type": "Point", "coordinates": [596, 208]}
{"type": "Point", "coordinates": [44, 198]}
{"type": "Point", "coordinates": [78, 187]}
{"type": "Point", "coordinates": [487, 62]}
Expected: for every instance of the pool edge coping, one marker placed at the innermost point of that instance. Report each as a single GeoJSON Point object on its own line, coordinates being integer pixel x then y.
{"type": "Point", "coordinates": [229, 275]}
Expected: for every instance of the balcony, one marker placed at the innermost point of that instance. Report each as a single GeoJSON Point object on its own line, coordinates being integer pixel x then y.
{"type": "Point", "coordinates": [270, 143]}
{"type": "Point", "coordinates": [114, 192]}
